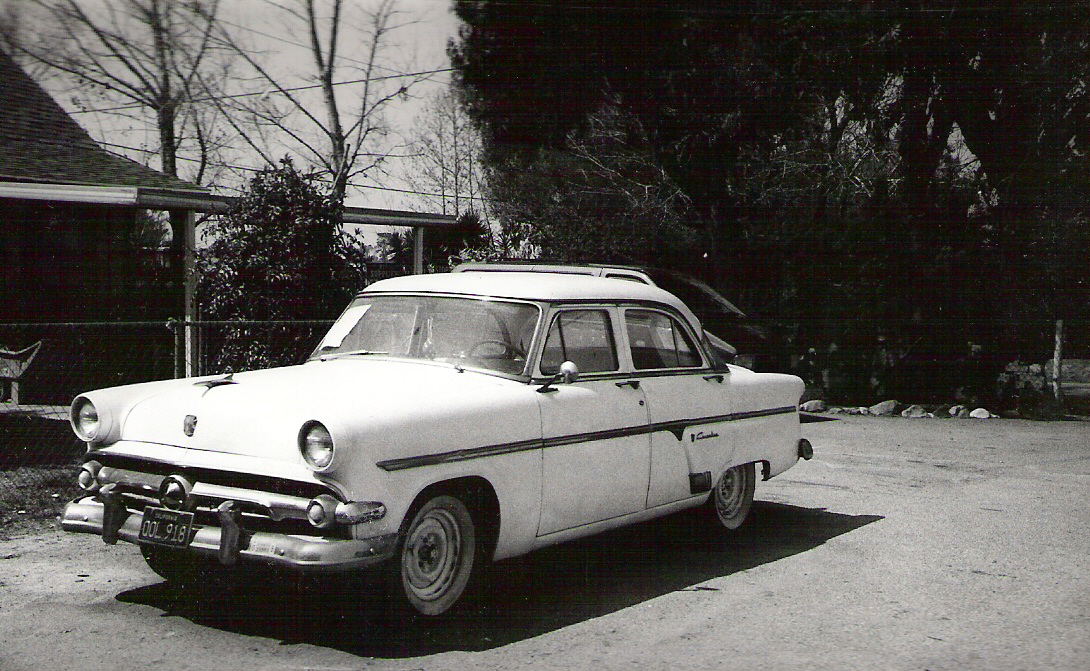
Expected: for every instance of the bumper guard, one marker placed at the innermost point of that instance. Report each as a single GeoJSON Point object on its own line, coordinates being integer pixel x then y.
{"type": "Point", "coordinates": [229, 542]}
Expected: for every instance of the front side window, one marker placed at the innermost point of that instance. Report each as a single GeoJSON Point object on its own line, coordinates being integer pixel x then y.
{"type": "Point", "coordinates": [584, 337]}
{"type": "Point", "coordinates": [490, 334]}
{"type": "Point", "coordinates": [659, 341]}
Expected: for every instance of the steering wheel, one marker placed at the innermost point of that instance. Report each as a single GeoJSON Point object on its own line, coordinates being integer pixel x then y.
{"type": "Point", "coordinates": [505, 350]}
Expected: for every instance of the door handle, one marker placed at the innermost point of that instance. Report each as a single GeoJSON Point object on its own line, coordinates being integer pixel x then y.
{"type": "Point", "coordinates": [718, 377]}
{"type": "Point", "coordinates": [635, 384]}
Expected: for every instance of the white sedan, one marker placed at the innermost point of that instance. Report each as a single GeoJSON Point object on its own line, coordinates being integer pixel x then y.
{"type": "Point", "coordinates": [443, 421]}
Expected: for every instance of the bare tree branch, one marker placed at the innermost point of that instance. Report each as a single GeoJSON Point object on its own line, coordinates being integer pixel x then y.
{"type": "Point", "coordinates": [145, 51]}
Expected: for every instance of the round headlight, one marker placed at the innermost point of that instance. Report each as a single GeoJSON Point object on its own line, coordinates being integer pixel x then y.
{"type": "Point", "coordinates": [85, 421]}
{"type": "Point", "coordinates": [316, 445]}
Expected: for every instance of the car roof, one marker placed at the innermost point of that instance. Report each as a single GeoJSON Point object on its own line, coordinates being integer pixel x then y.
{"type": "Point", "coordinates": [536, 286]}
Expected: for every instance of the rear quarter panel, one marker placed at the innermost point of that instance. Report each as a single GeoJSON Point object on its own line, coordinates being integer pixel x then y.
{"type": "Point", "coordinates": [762, 434]}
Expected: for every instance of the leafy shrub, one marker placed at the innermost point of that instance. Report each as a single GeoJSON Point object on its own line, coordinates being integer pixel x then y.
{"type": "Point", "coordinates": [280, 255]}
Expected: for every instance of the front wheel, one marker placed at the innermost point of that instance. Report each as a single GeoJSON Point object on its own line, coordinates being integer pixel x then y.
{"type": "Point", "coordinates": [732, 496]}
{"type": "Point", "coordinates": [174, 566]}
{"type": "Point", "coordinates": [436, 555]}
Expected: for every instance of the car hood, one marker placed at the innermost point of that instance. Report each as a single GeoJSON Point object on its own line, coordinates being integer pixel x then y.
{"type": "Point", "coordinates": [393, 408]}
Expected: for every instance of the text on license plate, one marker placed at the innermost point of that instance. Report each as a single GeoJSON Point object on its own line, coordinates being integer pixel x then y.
{"type": "Point", "coordinates": [166, 527]}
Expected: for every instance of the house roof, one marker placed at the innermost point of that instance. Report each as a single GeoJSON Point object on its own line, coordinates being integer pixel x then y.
{"type": "Point", "coordinates": [46, 155]}
{"type": "Point", "coordinates": [40, 143]}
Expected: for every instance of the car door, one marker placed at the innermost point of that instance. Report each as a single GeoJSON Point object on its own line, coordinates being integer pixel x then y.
{"type": "Point", "coordinates": [688, 403]}
{"type": "Point", "coordinates": [597, 451]}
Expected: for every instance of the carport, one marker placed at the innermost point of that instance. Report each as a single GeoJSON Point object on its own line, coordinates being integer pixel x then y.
{"type": "Point", "coordinates": [65, 201]}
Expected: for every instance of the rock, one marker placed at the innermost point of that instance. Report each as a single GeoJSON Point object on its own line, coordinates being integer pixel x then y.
{"type": "Point", "coordinates": [955, 410]}
{"type": "Point", "coordinates": [883, 408]}
{"type": "Point", "coordinates": [914, 411]}
{"type": "Point", "coordinates": [862, 410]}
{"type": "Point", "coordinates": [980, 413]}
{"type": "Point", "coordinates": [963, 413]}
{"type": "Point", "coordinates": [814, 406]}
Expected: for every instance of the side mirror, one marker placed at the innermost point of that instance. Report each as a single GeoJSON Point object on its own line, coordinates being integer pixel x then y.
{"type": "Point", "coordinates": [569, 373]}
{"type": "Point", "coordinates": [745, 361]}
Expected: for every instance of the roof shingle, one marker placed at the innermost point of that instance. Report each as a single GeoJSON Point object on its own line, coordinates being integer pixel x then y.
{"type": "Point", "coordinates": [40, 142]}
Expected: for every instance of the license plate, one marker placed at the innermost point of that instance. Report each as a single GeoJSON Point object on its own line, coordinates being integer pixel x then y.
{"type": "Point", "coordinates": [164, 526]}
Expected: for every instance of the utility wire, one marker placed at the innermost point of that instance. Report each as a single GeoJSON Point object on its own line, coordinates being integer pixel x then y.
{"type": "Point", "coordinates": [357, 185]}
{"type": "Point", "coordinates": [233, 96]}
{"type": "Point", "coordinates": [279, 38]}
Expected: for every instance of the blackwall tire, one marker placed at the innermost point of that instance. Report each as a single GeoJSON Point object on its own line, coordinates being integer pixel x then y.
{"type": "Point", "coordinates": [174, 566]}
{"type": "Point", "coordinates": [732, 496]}
{"type": "Point", "coordinates": [436, 555]}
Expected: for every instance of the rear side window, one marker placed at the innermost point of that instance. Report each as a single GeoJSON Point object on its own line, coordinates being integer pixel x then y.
{"type": "Point", "coordinates": [659, 341]}
{"type": "Point", "coordinates": [584, 337]}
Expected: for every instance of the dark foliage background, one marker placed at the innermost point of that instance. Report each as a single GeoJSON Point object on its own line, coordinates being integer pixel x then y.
{"type": "Point", "coordinates": [897, 188]}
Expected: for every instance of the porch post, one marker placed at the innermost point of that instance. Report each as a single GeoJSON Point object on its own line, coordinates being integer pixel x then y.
{"type": "Point", "coordinates": [189, 278]}
{"type": "Point", "coordinates": [183, 227]}
{"type": "Point", "coordinates": [418, 250]}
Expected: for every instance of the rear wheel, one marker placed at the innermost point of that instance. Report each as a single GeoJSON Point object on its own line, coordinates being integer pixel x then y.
{"type": "Point", "coordinates": [436, 555]}
{"type": "Point", "coordinates": [732, 496]}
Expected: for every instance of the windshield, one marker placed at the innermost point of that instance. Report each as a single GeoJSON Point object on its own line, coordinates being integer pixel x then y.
{"type": "Point", "coordinates": [489, 334]}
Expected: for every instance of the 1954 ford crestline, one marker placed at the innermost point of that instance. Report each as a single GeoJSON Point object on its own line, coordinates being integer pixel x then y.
{"type": "Point", "coordinates": [443, 421]}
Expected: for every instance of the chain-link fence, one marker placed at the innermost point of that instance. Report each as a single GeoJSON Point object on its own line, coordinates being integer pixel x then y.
{"type": "Point", "coordinates": [44, 365]}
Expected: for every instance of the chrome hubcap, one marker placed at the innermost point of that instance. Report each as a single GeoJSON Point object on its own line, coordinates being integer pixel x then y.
{"type": "Point", "coordinates": [729, 494]}
{"type": "Point", "coordinates": [433, 553]}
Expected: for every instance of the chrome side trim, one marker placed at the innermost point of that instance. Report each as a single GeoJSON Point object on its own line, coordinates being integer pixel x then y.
{"type": "Point", "coordinates": [677, 427]}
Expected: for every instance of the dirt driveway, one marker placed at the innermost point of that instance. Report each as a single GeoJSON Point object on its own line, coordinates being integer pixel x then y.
{"type": "Point", "coordinates": [905, 544]}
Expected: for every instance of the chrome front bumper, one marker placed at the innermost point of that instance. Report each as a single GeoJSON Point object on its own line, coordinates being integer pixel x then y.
{"type": "Point", "coordinates": [307, 553]}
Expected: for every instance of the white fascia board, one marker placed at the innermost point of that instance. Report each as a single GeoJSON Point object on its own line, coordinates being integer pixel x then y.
{"type": "Point", "coordinates": [69, 193]}
{"type": "Point", "coordinates": [377, 217]}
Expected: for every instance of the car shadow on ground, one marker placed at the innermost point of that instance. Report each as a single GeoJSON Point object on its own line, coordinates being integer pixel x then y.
{"type": "Point", "coordinates": [520, 598]}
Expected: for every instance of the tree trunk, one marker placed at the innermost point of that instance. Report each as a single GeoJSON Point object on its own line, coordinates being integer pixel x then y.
{"type": "Point", "coordinates": [1057, 363]}
{"type": "Point", "coordinates": [167, 140]}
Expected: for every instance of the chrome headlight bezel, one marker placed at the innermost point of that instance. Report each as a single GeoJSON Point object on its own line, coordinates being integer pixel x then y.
{"type": "Point", "coordinates": [316, 446]}
{"type": "Point", "coordinates": [86, 420]}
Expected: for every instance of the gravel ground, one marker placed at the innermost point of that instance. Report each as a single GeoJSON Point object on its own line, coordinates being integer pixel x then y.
{"type": "Point", "coordinates": [904, 544]}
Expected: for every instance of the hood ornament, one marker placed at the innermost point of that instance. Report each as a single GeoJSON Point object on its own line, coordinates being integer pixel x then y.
{"type": "Point", "coordinates": [218, 382]}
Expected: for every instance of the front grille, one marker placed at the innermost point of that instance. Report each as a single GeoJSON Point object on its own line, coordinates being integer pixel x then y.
{"type": "Point", "coordinates": [255, 517]}
{"type": "Point", "coordinates": [264, 483]}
